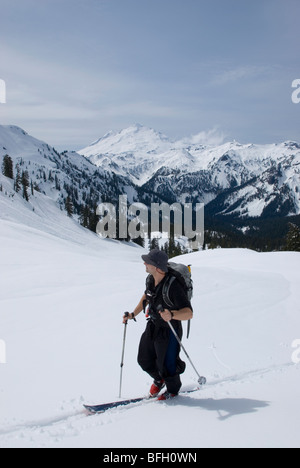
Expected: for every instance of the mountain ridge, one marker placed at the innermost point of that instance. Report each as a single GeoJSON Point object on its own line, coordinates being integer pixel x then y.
{"type": "Point", "coordinates": [152, 161]}
{"type": "Point", "coordinates": [244, 196]}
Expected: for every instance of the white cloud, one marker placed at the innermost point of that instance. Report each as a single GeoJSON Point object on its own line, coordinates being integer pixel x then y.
{"type": "Point", "coordinates": [211, 137]}
{"type": "Point", "coordinates": [229, 75]}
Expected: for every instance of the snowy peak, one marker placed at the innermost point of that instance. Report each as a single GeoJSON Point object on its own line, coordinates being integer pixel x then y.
{"type": "Point", "coordinates": [255, 176]}
{"type": "Point", "coordinates": [15, 140]}
{"type": "Point", "coordinates": [230, 178]}
{"type": "Point", "coordinates": [137, 152]}
{"type": "Point", "coordinates": [132, 139]}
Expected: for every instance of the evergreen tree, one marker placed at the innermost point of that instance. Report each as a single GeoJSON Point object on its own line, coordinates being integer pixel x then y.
{"type": "Point", "coordinates": [25, 184]}
{"type": "Point", "coordinates": [57, 183]}
{"type": "Point", "coordinates": [293, 238]}
{"type": "Point", "coordinates": [154, 243]}
{"type": "Point", "coordinates": [93, 219]}
{"type": "Point", "coordinates": [18, 180]}
{"type": "Point", "coordinates": [7, 167]}
{"type": "Point", "coordinates": [139, 241]}
{"type": "Point", "coordinates": [36, 187]}
{"type": "Point", "coordinates": [69, 206]}
{"type": "Point", "coordinates": [84, 216]}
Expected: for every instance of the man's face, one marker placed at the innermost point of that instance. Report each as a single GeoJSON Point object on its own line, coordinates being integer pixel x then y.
{"type": "Point", "coordinates": [150, 268]}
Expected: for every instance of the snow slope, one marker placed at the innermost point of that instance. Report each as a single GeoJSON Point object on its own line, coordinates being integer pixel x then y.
{"type": "Point", "coordinates": [62, 295]}
{"type": "Point", "coordinates": [61, 306]}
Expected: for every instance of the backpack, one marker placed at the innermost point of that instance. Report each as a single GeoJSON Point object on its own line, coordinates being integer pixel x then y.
{"type": "Point", "coordinates": [183, 274]}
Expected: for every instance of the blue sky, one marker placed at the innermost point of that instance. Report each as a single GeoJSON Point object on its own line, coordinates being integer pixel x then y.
{"type": "Point", "coordinates": [75, 69]}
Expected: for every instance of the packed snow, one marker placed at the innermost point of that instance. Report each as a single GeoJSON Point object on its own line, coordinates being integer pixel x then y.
{"type": "Point", "coordinates": [63, 293]}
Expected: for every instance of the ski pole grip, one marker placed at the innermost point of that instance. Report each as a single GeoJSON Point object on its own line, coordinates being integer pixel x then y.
{"type": "Point", "coordinates": [126, 315]}
{"type": "Point", "coordinates": [130, 316]}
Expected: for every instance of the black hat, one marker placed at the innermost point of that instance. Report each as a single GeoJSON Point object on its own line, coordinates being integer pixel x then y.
{"type": "Point", "coordinates": [157, 258]}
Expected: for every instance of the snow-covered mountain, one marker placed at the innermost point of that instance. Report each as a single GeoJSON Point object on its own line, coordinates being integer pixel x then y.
{"type": "Point", "coordinates": [251, 180]}
{"type": "Point", "coordinates": [134, 152]}
{"type": "Point", "coordinates": [236, 181]}
{"type": "Point", "coordinates": [58, 175]}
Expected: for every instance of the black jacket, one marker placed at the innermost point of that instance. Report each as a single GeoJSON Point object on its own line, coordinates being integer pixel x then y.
{"type": "Point", "coordinates": [155, 298]}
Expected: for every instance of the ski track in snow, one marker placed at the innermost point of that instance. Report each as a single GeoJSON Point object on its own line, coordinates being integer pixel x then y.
{"type": "Point", "coordinates": [63, 425]}
{"type": "Point", "coordinates": [56, 298]}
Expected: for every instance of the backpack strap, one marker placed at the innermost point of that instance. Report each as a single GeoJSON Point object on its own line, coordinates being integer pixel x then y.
{"type": "Point", "coordinates": [167, 300]}
{"type": "Point", "coordinates": [165, 291]}
{"type": "Point", "coordinates": [188, 329]}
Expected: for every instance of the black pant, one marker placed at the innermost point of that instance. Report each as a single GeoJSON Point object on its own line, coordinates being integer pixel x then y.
{"type": "Point", "coordinates": [159, 355]}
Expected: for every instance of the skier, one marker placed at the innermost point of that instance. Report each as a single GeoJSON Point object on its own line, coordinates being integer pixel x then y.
{"type": "Point", "coordinates": [158, 353]}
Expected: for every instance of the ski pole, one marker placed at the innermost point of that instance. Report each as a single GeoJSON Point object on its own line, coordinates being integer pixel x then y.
{"type": "Point", "coordinates": [123, 351]}
{"type": "Point", "coordinates": [201, 379]}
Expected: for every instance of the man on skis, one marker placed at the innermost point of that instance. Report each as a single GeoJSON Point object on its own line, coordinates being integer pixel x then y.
{"type": "Point", "coordinates": [158, 353]}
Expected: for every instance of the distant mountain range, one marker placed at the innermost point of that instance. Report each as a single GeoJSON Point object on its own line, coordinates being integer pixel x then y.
{"type": "Point", "coordinates": [240, 180]}
{"type": "Point", "coordinates": [241, 185]}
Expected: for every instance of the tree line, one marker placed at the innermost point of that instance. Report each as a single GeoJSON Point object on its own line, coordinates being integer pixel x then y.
{"type": "Point", "coordinates": [20, 177]}
{"type": "Point", "coordinates": [85, 207]}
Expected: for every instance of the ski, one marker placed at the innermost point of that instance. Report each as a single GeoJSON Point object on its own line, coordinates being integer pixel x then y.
{"type": "Point", "coordinates": [116, 404]}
